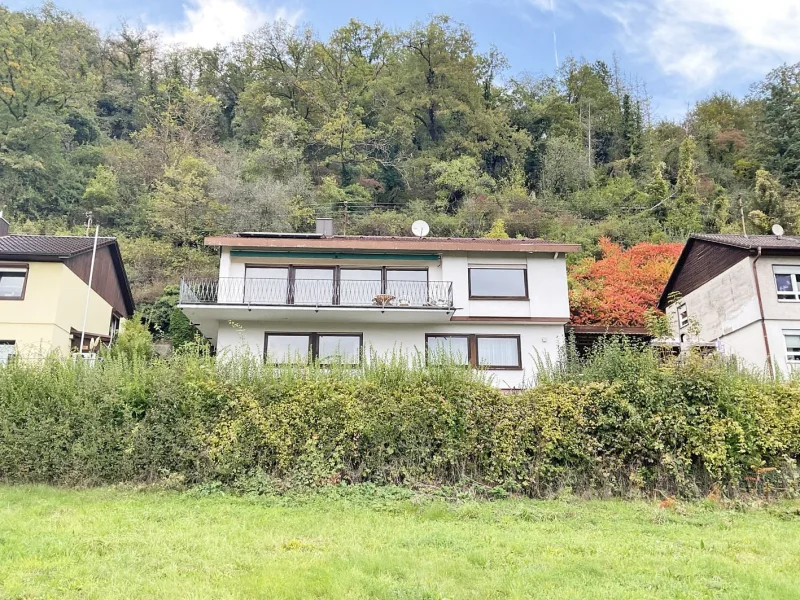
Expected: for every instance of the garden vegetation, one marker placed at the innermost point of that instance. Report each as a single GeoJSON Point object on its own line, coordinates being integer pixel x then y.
{"type": "Point", "coordinates": [622, 421]}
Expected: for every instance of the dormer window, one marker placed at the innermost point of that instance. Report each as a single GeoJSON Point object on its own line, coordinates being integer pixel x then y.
{"type": "Point", "coordinates": [787, 283]}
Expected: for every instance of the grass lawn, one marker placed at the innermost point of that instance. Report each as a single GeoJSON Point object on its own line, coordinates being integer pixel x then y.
{"type": "Point", "coordinates": [112, 543]}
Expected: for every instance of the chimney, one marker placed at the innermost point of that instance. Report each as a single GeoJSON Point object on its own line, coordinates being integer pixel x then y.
{"type": "Point", "coordinates": [325, 226]}
{"type": "Point", "coordinates": [3, 225]}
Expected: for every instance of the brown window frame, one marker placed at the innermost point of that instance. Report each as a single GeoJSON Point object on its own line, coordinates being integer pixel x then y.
{"type": "Point", "coordinates": [17, 266]}
{"type": "Point", "coordinates": [313, 343]}
{"type": "Point", "coordinates": [291, 270]}
{"type": "Point", "coordinates": [512, 298]}
{"type": "Point", "coordinates": [473, 359]}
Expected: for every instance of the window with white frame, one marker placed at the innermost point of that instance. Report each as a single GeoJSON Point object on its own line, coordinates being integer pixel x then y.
{"type": "Point", "coordinates": [6, 351]}
{"type": "Point", "coordinates": [792, 346]}
{"type": "Point", "coordinates": [683, 316]}
{"type": "Point", "coordinates": [787, 282]}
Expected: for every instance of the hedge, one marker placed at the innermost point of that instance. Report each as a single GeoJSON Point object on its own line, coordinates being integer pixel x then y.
{"type": "Point", "coordinates": [623, 421]}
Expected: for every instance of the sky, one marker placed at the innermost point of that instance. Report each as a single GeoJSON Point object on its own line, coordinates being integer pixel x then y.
{"type": "Point", "coordinates": [683, 50]}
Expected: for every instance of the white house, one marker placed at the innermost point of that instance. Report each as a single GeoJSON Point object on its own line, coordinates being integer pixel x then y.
{"type": "Point", "coordinates": [741, 292]}
{"type": "Point", "coordinates": [496, 304]}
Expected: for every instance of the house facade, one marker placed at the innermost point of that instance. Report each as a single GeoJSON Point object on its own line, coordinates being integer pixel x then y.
{"type": "Point", "coordinates": [741, 293]}
{"type": "Point", "coordinates": [493, 304]}
{"type": "Point", "coordinates": [43, 292]}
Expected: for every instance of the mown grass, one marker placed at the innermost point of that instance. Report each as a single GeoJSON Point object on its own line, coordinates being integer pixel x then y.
{"type": "Point", "coordinates": [116, 543]}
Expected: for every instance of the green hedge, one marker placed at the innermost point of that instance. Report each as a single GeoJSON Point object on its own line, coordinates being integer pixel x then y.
{"type": "Point", "coordinates": [618, 422]}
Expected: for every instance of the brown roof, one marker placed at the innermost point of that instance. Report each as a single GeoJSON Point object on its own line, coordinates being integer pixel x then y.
{"type": "Point", "coordinates": [71, 250]}
{"type": "Point", "coordinates": [366, 242]}
{"type": "Point", "coordinates": [16, 246]}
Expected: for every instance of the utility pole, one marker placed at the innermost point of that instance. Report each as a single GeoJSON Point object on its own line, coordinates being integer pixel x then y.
{"type": "Point", "coordinates": [89, 289]}
{"type": "Point", "coordinates": [345, 218]}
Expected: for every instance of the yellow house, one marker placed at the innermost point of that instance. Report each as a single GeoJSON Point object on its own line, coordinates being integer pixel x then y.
{"type": "Point", "coordinates": [43, 291]}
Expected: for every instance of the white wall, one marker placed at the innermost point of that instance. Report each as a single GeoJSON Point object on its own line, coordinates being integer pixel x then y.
{"type": "Point", "coordinates": [547, 279]}
{"type": "Point", "coordinates": [721, 306]}
{"type": "Point", "coordinates": [536, 340]}
{"type": "Point", "coordinates": [748, 344]}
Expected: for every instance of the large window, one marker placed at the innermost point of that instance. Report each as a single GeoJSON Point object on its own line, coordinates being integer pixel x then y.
{"type": "Point", "coordinates": [6, 351]}
{"type": "Point", "coordinates": [449, 347]}
{"type": "Point", "coordinates": [12, 282]}
{"type": "Point", "coordinates": [338, 286]}
{"type": "Point", "coordinates": [299, 348]}
{"type": "Point", "coordinates": [484, 351]}
{"type": "Point", "coordinates": [503, 283]}
{"type": "Point", "coordinates": [787, 283]}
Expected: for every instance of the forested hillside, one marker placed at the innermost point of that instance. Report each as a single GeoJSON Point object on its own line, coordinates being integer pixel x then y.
{"type": "Point", "coordinates": [374, 127]}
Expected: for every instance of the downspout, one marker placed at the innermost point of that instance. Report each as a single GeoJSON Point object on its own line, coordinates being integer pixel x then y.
{"type": "Point", "coordinates": [761, 311]}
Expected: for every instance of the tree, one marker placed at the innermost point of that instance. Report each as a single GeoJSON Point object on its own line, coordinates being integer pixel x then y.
{"type": "Point", "coordinates": [181, 208]}
{"type": "Point", "coordinates": [780, 94]}
{"type": "Point", "coordinates": [622, 286]}
{"type": "Point", "coordinates": [684, 212]}
{"type": "Point", "coordinates": [498, 230]}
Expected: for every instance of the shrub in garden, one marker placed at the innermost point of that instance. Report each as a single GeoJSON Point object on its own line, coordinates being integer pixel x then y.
{"type": "Point", "coordinates": [619, 420]}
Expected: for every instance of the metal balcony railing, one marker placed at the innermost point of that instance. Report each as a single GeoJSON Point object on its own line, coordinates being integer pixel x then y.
{"type": "Point", "coordinates": [239, 291]}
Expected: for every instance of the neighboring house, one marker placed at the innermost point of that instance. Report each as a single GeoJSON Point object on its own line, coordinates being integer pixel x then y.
{"type": "Point", "coordinates": [491, 303]}
{"type": "Point", "coordinates": [742, 292]}
{"type": "Point", "coordinates": [43, 290]}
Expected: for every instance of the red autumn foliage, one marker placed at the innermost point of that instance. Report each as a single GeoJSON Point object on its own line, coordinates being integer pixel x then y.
{"type": "Point", "coordinates": [618, 289]}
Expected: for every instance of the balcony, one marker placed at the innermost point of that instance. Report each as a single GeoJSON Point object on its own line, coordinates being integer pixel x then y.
{"type": "Point", "coordinates": [237, 299]}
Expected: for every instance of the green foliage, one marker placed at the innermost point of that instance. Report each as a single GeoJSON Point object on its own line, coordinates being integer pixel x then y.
{"type": "Point", "coordinates": [618, 421]}
{"type": "Point", "coordinates": [133, 343]}
{"type": "Point", "coordinates": [498, 230]}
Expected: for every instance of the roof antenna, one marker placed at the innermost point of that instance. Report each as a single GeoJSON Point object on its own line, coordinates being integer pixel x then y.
{"type": "Point", "coordinates": [777, 230]}
{"type": "Point", "coordinates": [88, 222]}
{"type": "Point", "coordinates": [741, 212]}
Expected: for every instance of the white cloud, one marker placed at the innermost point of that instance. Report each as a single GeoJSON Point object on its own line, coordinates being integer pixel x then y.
{"type": "Point", "coordinates": [208, 23]}
{"type": "Point", "coordinates": [702, 40]}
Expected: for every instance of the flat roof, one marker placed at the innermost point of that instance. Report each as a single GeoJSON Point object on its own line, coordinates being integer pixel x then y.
{"type": "Point", "coordinates": [389, 243]}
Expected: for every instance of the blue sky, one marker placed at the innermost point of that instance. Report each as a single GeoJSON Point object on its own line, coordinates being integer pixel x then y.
{"type": "Point", "coordinates": [682, 49]}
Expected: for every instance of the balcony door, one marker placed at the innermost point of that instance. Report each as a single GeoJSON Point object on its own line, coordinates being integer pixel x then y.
{"type": "Point", "coordinates": [360, 287]}
{"type": "Point", "coordinates": [266, 285]}
{"type": "Point", "coordinates": [313, 286]}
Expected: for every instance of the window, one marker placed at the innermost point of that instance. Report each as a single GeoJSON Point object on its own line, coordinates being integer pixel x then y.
{"type": "Point", "coordinates": [792, 346]}
{"type": "Point", "coordinates": [114, 327]}
{"type": "Point", "coordinates": [266, 285]}
{"type": "Point", "coordinates": [408, 286]}
{"type": "Point", "coordinates": [484, 351]}
{"type": "Point", "coordinates": [683, 316]}
{"type": "Point", "coordinates": [285, 348]}
{"type": "Point", "coordinates": [313, 286]}
{"type": "Point", "coordinates": [449, 347]}
{"type": "Point", "coordinates": [6, 351]}
{"type": "Point", "coordinates": [12, 282]}
{"type": "Point", "coordinates": [498, 352]}
{"type": "Point", "coordinates": [787, 283]}
{"type": "Point", "coordinates": [505, 283]}
{"type": "Point", "coordinates": [333, 286]}
{"type": "Point", "coordinates": [358, 287]}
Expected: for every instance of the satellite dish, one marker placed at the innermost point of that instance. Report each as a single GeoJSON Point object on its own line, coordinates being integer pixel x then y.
{"type": "Point", "coordinates": [420, 228]}
{"type": "Point", "coordinates": [777, 230]}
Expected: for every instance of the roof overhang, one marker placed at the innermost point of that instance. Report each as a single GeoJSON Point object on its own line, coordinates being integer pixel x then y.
{"type": "Point", "coordinates": [367, 244]}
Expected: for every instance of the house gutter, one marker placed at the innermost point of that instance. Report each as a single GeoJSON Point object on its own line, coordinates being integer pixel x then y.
{"type": "Point", "coordinates": [761, 311]}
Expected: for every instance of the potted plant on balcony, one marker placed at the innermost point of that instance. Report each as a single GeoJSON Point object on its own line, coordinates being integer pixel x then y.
{"type": "Point", "coordinates": [403, 302]}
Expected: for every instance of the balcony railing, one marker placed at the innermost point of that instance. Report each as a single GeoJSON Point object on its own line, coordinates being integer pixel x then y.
{"type": "Point", "coordinates": [239, 291]}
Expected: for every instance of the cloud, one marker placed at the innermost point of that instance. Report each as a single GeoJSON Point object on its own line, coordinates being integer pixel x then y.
{"type": "Point", "coordinates": [702, 40]}
{"type": "Point", "coordinates": [208, 23]}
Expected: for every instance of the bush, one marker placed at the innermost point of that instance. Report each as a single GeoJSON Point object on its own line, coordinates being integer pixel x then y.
{"type": "Point", "coordinates": [618, 421]}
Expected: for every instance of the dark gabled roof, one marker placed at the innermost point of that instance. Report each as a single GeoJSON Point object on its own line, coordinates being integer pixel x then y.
{"type": "Point", "coordinates": [49, 246]}
{"type": "Point", "coordinates": [710, 254]}
{"type": "Point", "coordinates": [57, 248]}
{"type": "Point", "coordinates": [751, 242]}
